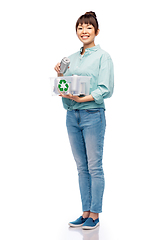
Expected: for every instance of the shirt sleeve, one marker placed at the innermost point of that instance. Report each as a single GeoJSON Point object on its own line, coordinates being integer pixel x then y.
{"type": "Point", "coordinates": [105, 84]}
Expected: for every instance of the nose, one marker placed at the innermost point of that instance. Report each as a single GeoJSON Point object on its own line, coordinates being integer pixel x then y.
{"type": "Point", "coordinates": [84, 30]}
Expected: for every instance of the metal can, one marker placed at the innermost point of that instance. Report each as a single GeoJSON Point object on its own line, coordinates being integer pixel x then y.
{"type": "Point", "coordinates": [64, 65]}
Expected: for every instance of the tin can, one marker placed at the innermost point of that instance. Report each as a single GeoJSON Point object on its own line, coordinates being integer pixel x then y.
{"type": "Point", "coordinates": [64, 65]}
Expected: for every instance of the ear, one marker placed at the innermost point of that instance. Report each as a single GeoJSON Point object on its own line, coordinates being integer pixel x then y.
{"type": "Point", "coordinates": [97, 33]}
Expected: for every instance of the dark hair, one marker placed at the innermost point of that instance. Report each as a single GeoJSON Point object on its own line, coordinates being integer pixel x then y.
{"type": "Point", "coordinates": [88, 18]}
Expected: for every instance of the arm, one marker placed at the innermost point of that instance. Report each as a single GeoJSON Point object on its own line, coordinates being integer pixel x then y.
{"type": "Point", "coordinates": [105, 84]}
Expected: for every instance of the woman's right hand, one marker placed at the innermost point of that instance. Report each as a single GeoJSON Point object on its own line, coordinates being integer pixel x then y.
{"type": "Point", "coordinates": [57, 67]}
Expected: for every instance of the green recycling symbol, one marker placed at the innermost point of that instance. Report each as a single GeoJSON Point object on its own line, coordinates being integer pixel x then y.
{"type": "Point", "coordinates": [63, 85]}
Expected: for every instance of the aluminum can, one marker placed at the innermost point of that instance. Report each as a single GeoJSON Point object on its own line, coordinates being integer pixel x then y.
{"type": "Point", "coordinates": [64, 65]}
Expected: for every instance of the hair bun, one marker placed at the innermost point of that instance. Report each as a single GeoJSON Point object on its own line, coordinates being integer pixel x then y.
{"type": "Point", "coordinates": [91, 13]}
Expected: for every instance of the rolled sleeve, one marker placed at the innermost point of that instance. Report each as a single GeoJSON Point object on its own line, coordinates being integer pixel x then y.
{"type": "Point", "coordinates": [105, 84]}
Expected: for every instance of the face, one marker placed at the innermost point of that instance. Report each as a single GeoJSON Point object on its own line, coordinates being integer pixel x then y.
{"type": "Point", "coordinates": [86, 34]}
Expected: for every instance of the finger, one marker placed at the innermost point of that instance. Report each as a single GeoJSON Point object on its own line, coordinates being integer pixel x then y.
{"type": "Point", "coordinates": [57, 68]}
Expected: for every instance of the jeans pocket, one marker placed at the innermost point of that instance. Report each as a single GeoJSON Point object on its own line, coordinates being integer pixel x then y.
{"type": "Point", "coordinates": [92, 110]}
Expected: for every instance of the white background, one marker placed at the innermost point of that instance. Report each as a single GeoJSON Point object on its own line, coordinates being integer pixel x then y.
{"type": "Point", "coordinates": [38, 178]}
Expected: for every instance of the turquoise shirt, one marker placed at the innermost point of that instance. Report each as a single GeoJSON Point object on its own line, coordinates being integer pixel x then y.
{"type": "Point", "coordinates": [95, 63]}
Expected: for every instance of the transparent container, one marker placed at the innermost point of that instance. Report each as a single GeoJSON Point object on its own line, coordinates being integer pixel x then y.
{"type": "Point", "coordinates": [76, 85]}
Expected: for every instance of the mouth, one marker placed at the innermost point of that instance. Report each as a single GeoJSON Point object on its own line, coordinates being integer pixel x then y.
{"type": "Point", "coordinates": [84, 37]}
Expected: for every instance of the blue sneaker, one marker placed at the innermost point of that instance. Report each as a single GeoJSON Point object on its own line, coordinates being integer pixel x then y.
{"type": "Point", "coordinates": [91, 224]}
{"type": "Point", "coordinates": [78, 222]}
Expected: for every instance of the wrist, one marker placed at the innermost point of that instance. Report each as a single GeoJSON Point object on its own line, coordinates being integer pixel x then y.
{"type": "Point", "coordinates": [60, 74]}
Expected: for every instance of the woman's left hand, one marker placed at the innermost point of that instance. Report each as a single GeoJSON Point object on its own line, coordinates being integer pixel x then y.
{"type": "Point", "coordinates": [72, 97]}
{"type": "Point", "coordinates": [88, 98]}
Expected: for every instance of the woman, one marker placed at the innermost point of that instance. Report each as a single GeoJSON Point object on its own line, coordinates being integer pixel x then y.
{"type": "Point", "coordinates": [86, 118]}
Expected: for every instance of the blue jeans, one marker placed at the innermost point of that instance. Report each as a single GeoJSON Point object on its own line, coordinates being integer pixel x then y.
{"type": "Point", "coordinates": [86, 129]}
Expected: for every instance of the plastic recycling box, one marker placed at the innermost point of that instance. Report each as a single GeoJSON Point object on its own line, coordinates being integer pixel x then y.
{"type": "Point", "coordinates": [76, 85]}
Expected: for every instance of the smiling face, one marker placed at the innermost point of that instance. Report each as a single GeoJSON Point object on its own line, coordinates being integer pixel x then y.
{"type": "Point", "coordinates": [86, 34]}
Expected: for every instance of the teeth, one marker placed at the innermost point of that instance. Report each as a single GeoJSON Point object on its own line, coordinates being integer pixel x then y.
{"type": "Point", "coordinates": [85, 36]}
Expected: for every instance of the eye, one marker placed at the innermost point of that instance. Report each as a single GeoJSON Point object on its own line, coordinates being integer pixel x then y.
{"type": "Point", "coordinates": [89, 27]}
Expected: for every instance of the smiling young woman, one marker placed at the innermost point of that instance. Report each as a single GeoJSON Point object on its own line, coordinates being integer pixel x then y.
{"type": "Point", "coordinates": [85, 119]}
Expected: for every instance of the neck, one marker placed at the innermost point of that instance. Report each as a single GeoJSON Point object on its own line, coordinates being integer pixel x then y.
{"type": "Point", "coordinates": [85, 46]}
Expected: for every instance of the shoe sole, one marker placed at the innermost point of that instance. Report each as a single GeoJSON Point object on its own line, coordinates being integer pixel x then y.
{"type": "Point", "coordinates": [75, 225]}
{"type": "Point", "coordinates": [89, 228]}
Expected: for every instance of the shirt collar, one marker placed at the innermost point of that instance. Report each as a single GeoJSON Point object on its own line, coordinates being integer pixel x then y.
{"type": "Point", "coordinates": [90, 50]}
